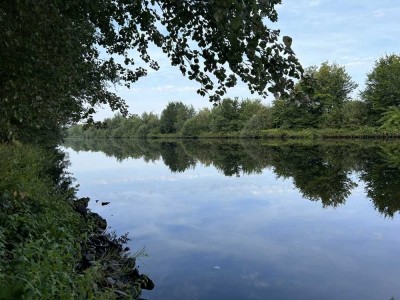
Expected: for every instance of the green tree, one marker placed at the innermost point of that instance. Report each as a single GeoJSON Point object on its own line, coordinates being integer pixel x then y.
{"type": "Point", "coordinates": [298, 109]}
{"type": "Point", "coordinates": [59, 57]}
{"type": "Point", "coordinates": [248, 108]}
{"type": "Point", "coordinates": [75, 131]}
{"type": "Point", "coordinates": [150, 125]}
{"type": "Point", "coordinates": [225, 116]}
{"type": "Point", "coordinates": [317, 99]}
{"type": "Point", "coordinates": [50, 74]}
{"type": "Point", "coordinates": [261, 120]}
{"type": "Point", "coordinates": [174, 116]}
{"type": "Point", "coordinates": [382, 87]}
{"type": "Point", "coordinates": [134, 122]}
{"type": "Point", "coordinates": [354, 113]}
{"type": "Point", "coordinates": [334, 83]}
{"type": "Point", "coordinates": [200, 123]}
{"type": "Point", "coordinates": [333, 89]}
{"type": "Point", "coordinates": [118, 126]}
{"type": "Point", "coordinates": [391, 118]}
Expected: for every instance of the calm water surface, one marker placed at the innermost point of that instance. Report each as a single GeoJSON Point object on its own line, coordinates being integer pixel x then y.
{"type": "Point", "coordinates": [246, 220]}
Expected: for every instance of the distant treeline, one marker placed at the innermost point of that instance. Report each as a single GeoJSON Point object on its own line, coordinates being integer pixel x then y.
{"type": "Point", "coordinates": [320, 100]}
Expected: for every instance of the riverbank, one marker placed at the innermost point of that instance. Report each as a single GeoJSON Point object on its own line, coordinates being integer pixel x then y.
{"type": "Point", "coordinates": [51, 245]}
{"type": "Point", "coordinates": [364, 132]}
{"type": "Point", "coordinates": [338, 133]}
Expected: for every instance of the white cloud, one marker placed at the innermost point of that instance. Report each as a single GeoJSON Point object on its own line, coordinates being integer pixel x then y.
{"type": "Point", "coordinates": [378, 13]}
{"type": "Point", "coordinates": [165, 88]}
{"type": "Point", "coordinates": [354, 62]}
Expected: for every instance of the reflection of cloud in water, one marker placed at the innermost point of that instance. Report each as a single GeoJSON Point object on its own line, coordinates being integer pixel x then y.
{"type": "Point", "coordinates": [132, 179]}
{"type": "Point", "coordinates": [268, 240]}
{"type": "Point", "coordinates": [253, 278]}
{"type": "Point", "coordinates": [378, 236]}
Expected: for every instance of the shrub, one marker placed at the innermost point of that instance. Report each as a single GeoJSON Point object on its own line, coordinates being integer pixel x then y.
{"type": "Point", "coordinates": [40, 234]}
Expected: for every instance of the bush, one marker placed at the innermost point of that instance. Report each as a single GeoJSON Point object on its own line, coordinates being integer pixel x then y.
{"type": "Point", "coordinates": [197, 125]}
{"type": "Point", "coordinates": [40, 234]}
{"type": "Point", "coordinates": [262, 120]}
{"type": "Point", "coordinates": [355, 114]}
{"type": "Point", "coordinates": [391, 119]}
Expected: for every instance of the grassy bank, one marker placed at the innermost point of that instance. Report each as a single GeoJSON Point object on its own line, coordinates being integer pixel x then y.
{"type": "Point", "coordinates": [205, 135]}
{"type": "Point", "coordinates": [359, 133]}
{"type": "Point", "coordinates": [364, 132]}
{"type": "Point", "coordinates": [45, 233]}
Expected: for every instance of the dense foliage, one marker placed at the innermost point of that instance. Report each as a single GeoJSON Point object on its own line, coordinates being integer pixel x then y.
{"type": "Point", "coordinates": [174, 116]}
{"type": "Point", "coordinates": [231, 116]}
{"type": "Point", "coordinates": [59, 58]}
{"type": "Point", "coordinates": [383, 86]}
{"type": "Point", "coordinates": [317, 99]}
{"type": "Point", "coordinates": [39, 246]}
{"type": "Point", "coordinates": [47, 235]}
{"type": "Point", "coordinates": [321, 99]}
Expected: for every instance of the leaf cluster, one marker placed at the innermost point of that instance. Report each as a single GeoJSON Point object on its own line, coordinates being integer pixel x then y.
{"type": "Point", "coordinates": [382, 86]}
{"type": "Point", "coordinates": [59, 58]}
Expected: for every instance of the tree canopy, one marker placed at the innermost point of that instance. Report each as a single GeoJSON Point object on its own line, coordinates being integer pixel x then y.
{"type": "Point", "coordinates": [58, 57]}
{"type": "Point", "coordinates": [382, 87]}
{"type": "Point", "coordinates": [317, 99]}
{"type": "Point", "coordinates": [174, 116]}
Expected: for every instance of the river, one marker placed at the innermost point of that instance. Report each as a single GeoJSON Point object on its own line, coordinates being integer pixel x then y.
{"type": "Point", "coordinates": [249, 219]}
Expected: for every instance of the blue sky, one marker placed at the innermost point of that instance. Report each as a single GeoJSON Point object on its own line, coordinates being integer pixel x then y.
{"type": "Point", "coordinates": [352, 33]}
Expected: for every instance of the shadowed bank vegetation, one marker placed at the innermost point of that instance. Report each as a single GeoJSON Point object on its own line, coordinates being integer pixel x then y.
{"type": "Point", "coordinates": [51, 246]}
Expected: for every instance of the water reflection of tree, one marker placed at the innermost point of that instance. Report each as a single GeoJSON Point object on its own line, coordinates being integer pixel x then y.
{"type": "Point", "coordinates": [175, 157]}
{"type": "Point", "coordinates": [121, 149]}
{"type": "Point", "coordinates": [229, 157]}
{"type": "Point", "coordinates": [321, 171]}
{"type": "Point", "coordinates": [314, 175]}
{"type": "Point", "coordinates": [381, 175]}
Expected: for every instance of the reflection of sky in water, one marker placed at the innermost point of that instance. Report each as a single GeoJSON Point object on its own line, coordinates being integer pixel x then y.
{"type": "Point", "coordinates": [214, 237]}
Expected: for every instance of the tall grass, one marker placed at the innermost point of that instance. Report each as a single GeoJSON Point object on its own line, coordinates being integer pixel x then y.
{"type": "Point", "coordinates": [40, 233]}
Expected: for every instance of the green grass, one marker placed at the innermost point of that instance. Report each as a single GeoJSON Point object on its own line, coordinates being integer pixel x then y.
{"type": "Point", "coordinates": [307, 133]}
{"type": "Point", "coordinates": [327, 133]}
{"type": "Point", "coordinates": [40, 234]}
